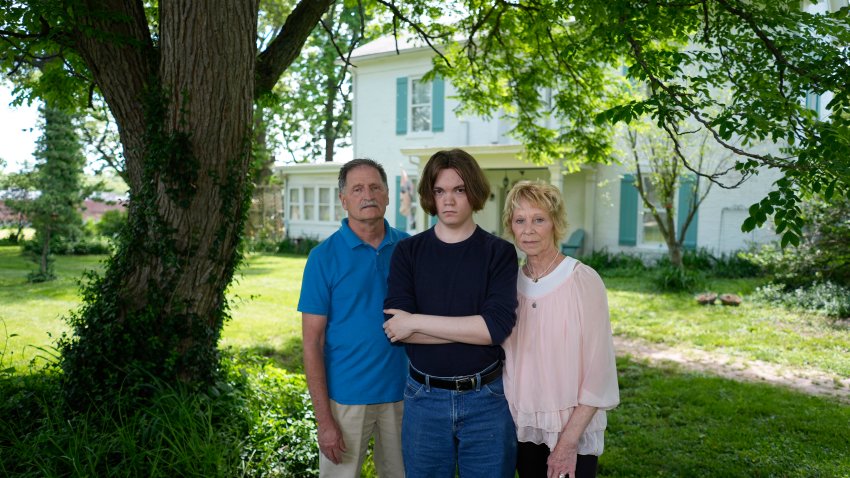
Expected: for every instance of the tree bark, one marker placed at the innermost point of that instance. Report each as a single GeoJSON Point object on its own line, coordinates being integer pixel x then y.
{"type": "Point", "coordinates": [184, 110]}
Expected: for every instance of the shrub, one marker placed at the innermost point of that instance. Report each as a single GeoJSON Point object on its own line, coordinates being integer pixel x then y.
{"type": "Point", "coordinates": [824, 251]}
{"type": "Point", "coordinates": [255, 421]}
{"type": "Point", "coordinates": [111, 224]}
{"type": "Point", "coordinates": [667, 278]}
{"type": "Point", "coordinates": [282, 440]}
{"type": "Point", "coordinates": [736, 265]}
{"type": "Point", "coordinates": [619, 264]}
{"type": "Point", "coordinates": [733, 265]}
{"type": "Point", "coordinates": [300, 246]}
{"type": "Point", "coordinates": [66, 247]}
{"type": "Point", "coordinates": [827, 298]}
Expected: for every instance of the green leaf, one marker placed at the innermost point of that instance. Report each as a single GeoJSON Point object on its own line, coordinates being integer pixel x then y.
{"type": "Point", "coordinates": [754, 209]}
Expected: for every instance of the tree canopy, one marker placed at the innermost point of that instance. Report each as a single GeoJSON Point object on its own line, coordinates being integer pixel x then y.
{"type": "Point", "coordinates": [740, 70]}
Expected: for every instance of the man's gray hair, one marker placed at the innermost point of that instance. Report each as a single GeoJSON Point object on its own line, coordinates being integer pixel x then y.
{"type": "Point", "coordinates": [354, 163]}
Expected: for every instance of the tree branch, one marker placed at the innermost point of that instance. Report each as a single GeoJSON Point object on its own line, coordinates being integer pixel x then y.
{"type": "Point", "coordinates": [416, 27]}
{"type": "Point", "coordinates": [286, 47]}
{"type": "Point", "coordinates": [768, 43]}
{"type": "Point", "coordinates": [677, 99]}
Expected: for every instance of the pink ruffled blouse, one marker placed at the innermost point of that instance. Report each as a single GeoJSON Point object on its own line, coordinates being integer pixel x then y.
{"type": "Point", "coordinates": [561, 354]}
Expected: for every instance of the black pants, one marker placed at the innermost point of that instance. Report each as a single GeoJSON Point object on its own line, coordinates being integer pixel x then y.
{"type": "Point", "coordinates": [531, 462]}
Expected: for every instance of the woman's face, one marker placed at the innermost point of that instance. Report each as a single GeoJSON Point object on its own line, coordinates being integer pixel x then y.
{"type": "Point", "coordinates": [533, 229]}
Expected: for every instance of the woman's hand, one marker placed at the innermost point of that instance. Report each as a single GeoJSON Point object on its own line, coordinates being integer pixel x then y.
{"type": "Point", "coordinates": [562, 460]}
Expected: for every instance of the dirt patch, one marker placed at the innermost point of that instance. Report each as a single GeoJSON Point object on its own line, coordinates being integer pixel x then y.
{"type": "Point", "coordinates": [813, 382]}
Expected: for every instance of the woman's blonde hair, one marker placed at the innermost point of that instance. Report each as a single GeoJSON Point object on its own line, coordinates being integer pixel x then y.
{"type": "Point", "coordinates": [541, 195]}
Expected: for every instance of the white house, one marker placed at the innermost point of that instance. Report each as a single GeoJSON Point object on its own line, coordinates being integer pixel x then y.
{"type": "Point", "coordinates": [400, 120]}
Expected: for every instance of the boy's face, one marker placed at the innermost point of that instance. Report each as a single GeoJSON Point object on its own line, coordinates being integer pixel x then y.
{"type": "Point", "coordinates": [453, 208]}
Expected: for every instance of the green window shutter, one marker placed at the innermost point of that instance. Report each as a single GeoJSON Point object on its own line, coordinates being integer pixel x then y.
{"type": "Point", "coordinates": [438, 105]}
{"type": "Point", "coordinates": [401, 105]}
{"type": "Point", "coordinates": [433, 220]}
{"type": "Point", "coordinates": [400, 219]}
{"type": "Point", "coordinates": [628, 211]}
{"type": "Point", "coordinates": [687, 190]}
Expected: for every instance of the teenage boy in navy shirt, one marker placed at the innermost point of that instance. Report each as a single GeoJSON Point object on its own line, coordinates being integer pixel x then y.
{"type": "Point", "coordinates": [452, 301]}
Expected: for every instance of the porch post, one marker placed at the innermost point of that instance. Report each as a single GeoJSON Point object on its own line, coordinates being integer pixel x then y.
{"type": "Point", "coordinates": [556, 177]}
{"type": "Point", "coordinates": [590, 209]}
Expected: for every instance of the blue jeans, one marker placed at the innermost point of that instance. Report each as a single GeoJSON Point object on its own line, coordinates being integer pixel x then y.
{"type": "Point", "coordinates": [445, 430]}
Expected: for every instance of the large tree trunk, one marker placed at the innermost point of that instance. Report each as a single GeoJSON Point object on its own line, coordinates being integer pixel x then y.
{"type": "Point", "coordinates": [184, 112]}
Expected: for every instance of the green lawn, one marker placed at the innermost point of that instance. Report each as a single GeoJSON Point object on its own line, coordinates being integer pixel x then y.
{"type": "Point", "coordinates": [264, 299]}
{"type": "Point", "coordinates": [265, 320]}
{"type": "Point", "coordinates": [750, 331]}
{"type": "Point", "coordinates": [670, 422]}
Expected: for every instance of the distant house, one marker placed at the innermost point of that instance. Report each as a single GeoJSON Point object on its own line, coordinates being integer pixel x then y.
{"type": "Point", "coordinates": [400, 120]}
{"type": "Point", "coordinates": [94, 207]}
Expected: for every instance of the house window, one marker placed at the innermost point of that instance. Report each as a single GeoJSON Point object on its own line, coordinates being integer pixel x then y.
{"type": "Point", "coordinates": [637, 223]}
{"type": "Point", "coordinates": [420, 106]}
{"type": "Point", "coordinates": [325, 204]}
{"type": "Point", "coordinates": [330, 209]}
{"type": "Point", "coordinates": [813, 102]}
{"type": "Point", "coordinates": [650, 230]}
{"type": "Point", "coordinates": [310, 204]}
{"type": "Point", "coordinates": [339, 213]}
{"type": "Point", "coordinates": [294, 204]}
{"type": "Point", "coordinates": [315, 203]}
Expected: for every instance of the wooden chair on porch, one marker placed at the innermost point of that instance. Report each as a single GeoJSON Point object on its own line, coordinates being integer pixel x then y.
{"type": "Point", "coordinates": [574, 243]}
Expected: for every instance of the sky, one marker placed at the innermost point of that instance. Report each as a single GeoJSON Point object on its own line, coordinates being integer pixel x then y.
{"type": "Point", "coordinates": [18, 132]}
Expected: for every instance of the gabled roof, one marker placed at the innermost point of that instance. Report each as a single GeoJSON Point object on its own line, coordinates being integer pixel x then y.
{"type": "Point", "coordinates": [385, 46]}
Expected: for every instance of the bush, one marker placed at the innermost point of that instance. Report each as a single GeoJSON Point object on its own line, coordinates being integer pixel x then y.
{"type": "Point", "coordinates": [827, 298]}
{"type": "Point", "coordinates": [731, 266]}
{"type": "Point", "coordinates": [300, 246]}
{"type": "Point", "coordinates": [667, 278]}
{"type": "Point", "coordinates": [282, 441]}
{"type": "Point", "coordinates": [736, 265]}
{"type": "Point", "coordinates": [824, 251]}
{"type": "Point", "coordinates": [255, 421]}
{"type": "Point", "coordinates": [67, 247]}
{"type": "Point", "coordinates": [111, 224]}
{"type": "Point", "coordinates": [619, 264]}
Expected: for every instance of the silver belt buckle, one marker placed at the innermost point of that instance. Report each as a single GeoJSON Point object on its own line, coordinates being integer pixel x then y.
{"type": "Point", "coordinates": [458, 383]}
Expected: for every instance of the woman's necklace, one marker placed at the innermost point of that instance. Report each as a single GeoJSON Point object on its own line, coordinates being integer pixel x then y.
{"type": "Point", "coordinates": [531, 269]}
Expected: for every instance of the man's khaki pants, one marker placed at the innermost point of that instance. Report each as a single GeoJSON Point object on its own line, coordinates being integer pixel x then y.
{"type": "Point", "coordinates": [359, 423]}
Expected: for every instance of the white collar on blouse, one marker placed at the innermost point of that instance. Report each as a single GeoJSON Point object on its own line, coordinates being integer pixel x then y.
{"type": "Point", "coordinates": [547, 283]}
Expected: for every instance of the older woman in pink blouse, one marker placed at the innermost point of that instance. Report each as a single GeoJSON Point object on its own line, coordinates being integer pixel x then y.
{"type": "Point", "coordinates": [560, 374]}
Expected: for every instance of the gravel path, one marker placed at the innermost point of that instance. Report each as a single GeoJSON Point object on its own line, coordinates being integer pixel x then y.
{"type": "Point", "coordinates": [809, 381]}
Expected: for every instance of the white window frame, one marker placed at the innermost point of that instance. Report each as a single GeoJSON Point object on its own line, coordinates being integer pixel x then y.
{"type": "Point", "coordinates": [411, 105]}
{"type": "Point", "coordinates": [301, 205]}
{"type": "Point", "coordinates": [296, 205]}
{"type": "Point", "coordinates": [643, 210]}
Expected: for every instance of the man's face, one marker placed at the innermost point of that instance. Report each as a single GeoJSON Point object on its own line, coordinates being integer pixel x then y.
{"type": "Point", "coordinates": [365, 197]}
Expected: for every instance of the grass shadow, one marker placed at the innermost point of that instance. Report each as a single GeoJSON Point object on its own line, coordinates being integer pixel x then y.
{"type": "Point", "coordinates": [689, 424]}
{"type": "Point", "coordinates": [288, 357]}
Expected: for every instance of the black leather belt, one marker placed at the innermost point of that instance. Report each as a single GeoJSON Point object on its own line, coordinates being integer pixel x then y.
{"type": "Point", "coordinates": [460, 384]}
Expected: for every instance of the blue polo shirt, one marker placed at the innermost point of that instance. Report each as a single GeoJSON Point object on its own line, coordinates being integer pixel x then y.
{"type": "Point", "coordinates": [346, 280]}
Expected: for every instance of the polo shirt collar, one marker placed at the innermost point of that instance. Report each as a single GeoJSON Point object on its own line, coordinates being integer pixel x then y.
{"type": "Point", "coordinates": [353, 241]}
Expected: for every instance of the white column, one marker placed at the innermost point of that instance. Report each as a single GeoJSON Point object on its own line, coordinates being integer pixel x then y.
{"type": "Point", "coordinates": [589, 209]}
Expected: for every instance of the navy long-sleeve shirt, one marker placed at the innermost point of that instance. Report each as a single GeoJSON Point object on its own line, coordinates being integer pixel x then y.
{"type": "Point", "coordinates": [476, 276]}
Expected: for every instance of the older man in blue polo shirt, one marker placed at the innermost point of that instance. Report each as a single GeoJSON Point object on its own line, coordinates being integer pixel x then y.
{"type": "Point", "coordinates": [355, 375]}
